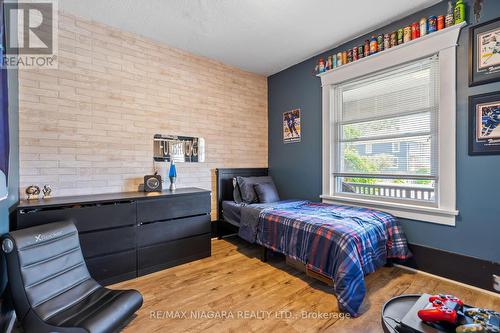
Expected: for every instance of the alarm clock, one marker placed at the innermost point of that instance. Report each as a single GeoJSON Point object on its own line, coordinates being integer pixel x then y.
{"type": "Point", "coordinates": [152, 183]}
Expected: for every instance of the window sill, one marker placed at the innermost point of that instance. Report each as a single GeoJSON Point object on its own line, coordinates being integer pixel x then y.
{"type": "Point", "coordinates": [419, 213]}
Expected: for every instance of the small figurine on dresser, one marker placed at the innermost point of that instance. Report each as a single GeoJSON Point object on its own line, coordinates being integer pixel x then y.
{"type": "Point", "coordinates": [47, 191]}
{"type": "Point", "coordinates": [32, 192]}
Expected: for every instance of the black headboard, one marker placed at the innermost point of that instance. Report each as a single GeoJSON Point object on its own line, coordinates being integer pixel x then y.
{"type": "Point", "coordinates": [225, 183]}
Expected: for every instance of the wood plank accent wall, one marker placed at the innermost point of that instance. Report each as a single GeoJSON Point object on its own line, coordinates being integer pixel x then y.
{"type": "Point", "coordinates": [87, 127]}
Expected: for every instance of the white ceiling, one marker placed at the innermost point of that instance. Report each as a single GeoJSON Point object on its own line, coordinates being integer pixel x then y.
{"type": "Point", "coordinates": [260, 36]}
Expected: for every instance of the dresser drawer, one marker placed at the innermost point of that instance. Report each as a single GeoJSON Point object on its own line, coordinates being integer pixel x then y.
{"type": "Point", "coordinates": [114, 267]}
{"type": "Point", "coordinates": [170, 208]}
{"type": "Point", "coordinates": [85, 218]}
{"type": "Point", "coordinates": [160, 232]}
{"type": "Point", "coordinates": [107, 241]}
{"type": "Point", "coordinates": [161, 256]}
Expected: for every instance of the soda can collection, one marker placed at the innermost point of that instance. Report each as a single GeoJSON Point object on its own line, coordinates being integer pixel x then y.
{"type": "Point", "coordinates": [440, 22]}
{"type": "Point", "coordinates": [361, 52]}
{"type": "Point", "coordinates": [394, 39]}
{"type": "Point", "coordinates": [387, 41]}
{"type": "Point", "coordinates": [400, 36]}
{"type": "Point", "coordinates": [403, 35]}
{"type": "Point", "coordinates": [373, 45]}
{"type": "Point", "coordinates": [432, 24]}
{"type": "Point", "coordinates": [407, 34]}
{"type": "Point", "coordinates": [423, 26]}
{"type": "Point", "coordinates": [380, 43]}
{"type": "Point", "coordinates": [415, 30]}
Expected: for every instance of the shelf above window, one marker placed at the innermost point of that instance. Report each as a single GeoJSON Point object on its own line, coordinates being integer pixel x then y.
{"type": "Point", "coordinates": [424, 46]}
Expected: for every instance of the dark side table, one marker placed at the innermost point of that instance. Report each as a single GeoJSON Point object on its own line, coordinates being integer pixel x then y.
{"type": "Point", "coordinates": [394, 310]}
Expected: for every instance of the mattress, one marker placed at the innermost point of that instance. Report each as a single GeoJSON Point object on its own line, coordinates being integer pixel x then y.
{"type": "Point", "coordinates": [231, 212]}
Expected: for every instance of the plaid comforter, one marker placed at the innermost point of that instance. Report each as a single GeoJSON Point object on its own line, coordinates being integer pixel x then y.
{"type": "Point", "coordinates": [342, 242]}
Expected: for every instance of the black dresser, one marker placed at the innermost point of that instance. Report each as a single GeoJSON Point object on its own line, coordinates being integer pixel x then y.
{"type": "Point", "coordinates": [125, 235]}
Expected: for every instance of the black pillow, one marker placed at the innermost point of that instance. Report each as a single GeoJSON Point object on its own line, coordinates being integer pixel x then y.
{"type": "Point", "coordinates": [247, 191]}
{"type": "Point", "coordinates": [236, 191]}
{"type": "Point", "coordinates": [266, 192]}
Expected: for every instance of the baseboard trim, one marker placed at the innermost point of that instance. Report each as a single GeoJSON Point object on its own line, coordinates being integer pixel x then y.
{"type": "Point", "coordinates": [467, 270]}
{"type": "Point", "coordinates": [406, 268]}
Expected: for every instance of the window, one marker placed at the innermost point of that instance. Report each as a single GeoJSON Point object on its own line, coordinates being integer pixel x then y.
{"type": "Point", "coordinates": [389, 130]}
{"type": "Point", "coordinates": [368, 149]}
{"type": "Point", "coordinates": [386, 138]}
{"type": "Point", "coordinates": [396, 147]}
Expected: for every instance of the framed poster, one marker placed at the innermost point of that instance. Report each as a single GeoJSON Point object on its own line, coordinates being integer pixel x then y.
{"type": "Point", "coordinates": [484, 53]}
{"type": "Point", "coordinates": [291, 126]}
{"type": "Point", "coordinates": [484, 124]}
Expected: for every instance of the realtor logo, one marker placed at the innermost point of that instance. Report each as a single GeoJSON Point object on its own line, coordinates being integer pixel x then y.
{"type": "Point", "coordinates": [31, 34]}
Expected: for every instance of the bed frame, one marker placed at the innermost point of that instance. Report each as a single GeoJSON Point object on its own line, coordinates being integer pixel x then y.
{"type": "Point", "coordinates": [225, 192]}
{"type": "Point", "coordinates": [224, 228]}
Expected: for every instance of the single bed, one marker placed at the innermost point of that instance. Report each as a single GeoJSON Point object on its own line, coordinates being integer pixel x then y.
{"type": "Point", "coordinates": [340, 242]}
{"type": "Point", "coordinates": [231, 212]}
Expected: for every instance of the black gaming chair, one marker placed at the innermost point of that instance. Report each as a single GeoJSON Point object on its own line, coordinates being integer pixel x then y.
{"type": "Point", "coordinates": [51, 288]}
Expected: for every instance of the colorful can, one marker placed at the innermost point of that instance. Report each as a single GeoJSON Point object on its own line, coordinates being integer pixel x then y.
{"type": "Point", "coordinates": [407, 34]}
{"type": "Point", "coordinates": [355, 54]}
{"type": "Point", "coordinates": [400, 36]}
{"type": "Point", "coordinates": [339, 59]}
{"type": "Point", "coordinates": [380, 43]}
{"type": "Point", "coordinates": [459, 12]}
{"type": "Point", "coordinates": [440, 22]}
{"type": "Point", "coordinates": [321, 65]}
{"type": "Point", "coordinates": [415, 30]}
{"type": "Point", "coordinates": [373, 45]}
{"type": "Point", "coordinates": [387, 41]}
{"type": "Point", "coordinates": [432, 24]}
{"type": "Point", "coordinates": [367, 48]}
{"type": "Point", "coordinates": [334, 60]}
{"type": "Point", "coordinates": [449, 20]}
{"type": "Point", "coordinates": [344, 57]}
{"type": "Point", "coordinates": [394, 38]}
{"type": "Point", "coordinates": [361, 51]}
{"type": "Point", "coordinates": [423, 26]}
{"type": "Point", "coordinates": [349, 56]}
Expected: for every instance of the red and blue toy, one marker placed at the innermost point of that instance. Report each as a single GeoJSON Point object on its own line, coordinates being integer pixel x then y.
{"type": "Point", "coordinates": [444, 308]}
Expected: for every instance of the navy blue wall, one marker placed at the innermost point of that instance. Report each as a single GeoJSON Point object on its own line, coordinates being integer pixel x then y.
{"type": "Point", "coordinates": [296, 168]}
{"type": "Point", "coordinates": [13, 181]}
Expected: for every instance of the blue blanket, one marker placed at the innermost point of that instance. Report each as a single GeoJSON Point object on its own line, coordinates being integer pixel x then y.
{"type": "Point", "coordinates": [342, 242]}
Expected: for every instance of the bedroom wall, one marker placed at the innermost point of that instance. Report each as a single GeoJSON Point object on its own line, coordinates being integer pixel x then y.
{"type": "Point", "coordinates": [13, 176]}
{"type": "Point", "coordinates": [296, 168]}
{"type": "Point", "coordinates": [88, 126]}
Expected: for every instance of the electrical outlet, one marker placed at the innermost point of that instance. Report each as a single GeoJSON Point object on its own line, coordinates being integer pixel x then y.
{"type": "Point", "coordinates": [496, 282]}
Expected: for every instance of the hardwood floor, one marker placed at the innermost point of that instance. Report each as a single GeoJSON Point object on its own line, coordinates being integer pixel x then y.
{"type": "Point", "coordinates": [252, 296]}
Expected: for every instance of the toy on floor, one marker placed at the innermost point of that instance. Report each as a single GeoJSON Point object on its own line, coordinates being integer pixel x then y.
{"type": "Point", "coordinates": [450, 309]}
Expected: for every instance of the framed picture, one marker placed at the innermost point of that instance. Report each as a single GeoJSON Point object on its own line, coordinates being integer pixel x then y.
{"type": "Point", "coordinates": [484, 124]}
{"type": "Point", "coordinates": [484, 53]}
{"type": "Point", "coordinates": [291, 126]}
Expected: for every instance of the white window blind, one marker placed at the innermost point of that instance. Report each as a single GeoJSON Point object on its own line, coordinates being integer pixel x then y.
{"type": "Point", "coordinates": [386, 132]}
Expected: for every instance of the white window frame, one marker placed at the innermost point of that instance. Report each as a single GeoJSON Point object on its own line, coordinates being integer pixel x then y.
{"type": "Point", "coordinates": [443, 43]}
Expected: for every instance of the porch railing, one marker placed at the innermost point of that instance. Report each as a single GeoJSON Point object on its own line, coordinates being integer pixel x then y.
{"type": "Point", "coordinates": [414, 192]}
